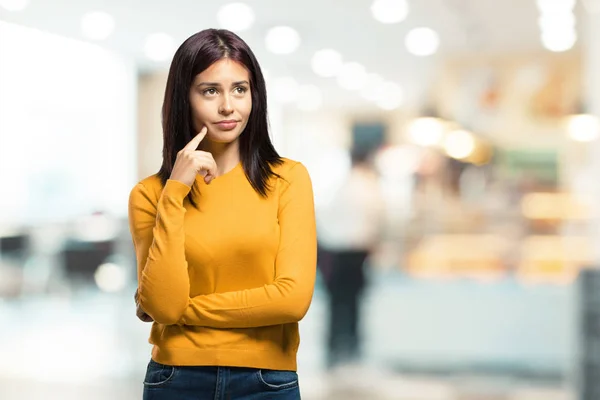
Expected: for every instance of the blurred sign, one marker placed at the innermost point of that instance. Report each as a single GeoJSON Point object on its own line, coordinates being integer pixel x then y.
{"type": "Point", "coordinates": [368, 136]}
{"type": "Point", "coordinates": [536, 166]}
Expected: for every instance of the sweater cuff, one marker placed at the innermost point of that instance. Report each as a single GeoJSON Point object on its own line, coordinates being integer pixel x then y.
{"type": "Point", "coordinates": [176, 189]}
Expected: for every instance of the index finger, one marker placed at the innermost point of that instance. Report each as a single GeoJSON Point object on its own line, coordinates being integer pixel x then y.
{"type": "Point", "coordinates": [193, 144]}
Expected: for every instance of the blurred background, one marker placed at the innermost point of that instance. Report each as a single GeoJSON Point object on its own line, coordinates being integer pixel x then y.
{"type": "Point", "coordinates": [455, 156]}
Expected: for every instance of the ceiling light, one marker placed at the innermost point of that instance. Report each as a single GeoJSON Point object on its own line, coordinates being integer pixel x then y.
{"type": "Point", "coordinates": [422, 41]}
{"type": "Point", "coordinates": [159, 47]}
{"type": "Point", "coordinates": [389, 11]}
{"type": "Point", "coordinates": [549, 6]}
{"type": "Point", "coordinates": [97, 25]}
{"type": "Point", "coordinates": [584, 128]}
{"type": "Point", "coordinates": [550, 21]}
{"type": "Point", "coordinates": [326, 63]}
{"type": "Point", "coordinates": [110, 277]}
{"type": "Point", "coordinates": [282, 40]}
{"type": "Point", "coordinates": [426, 131]}
{"type": "Point", "coordinates": [459, 144]}
{"type": "Point", "coordinates": [235, 17]}
{"type": "Point", "coordinates": [14, 5]}
{"type": "Point", "coordinates": [285, 90]}
{"type": "Point", "coordinates": [352, 76]}
{"type": "Point", "coordinates": [309, 98]}
{"type": "Point", "coordinates": [558, 40]}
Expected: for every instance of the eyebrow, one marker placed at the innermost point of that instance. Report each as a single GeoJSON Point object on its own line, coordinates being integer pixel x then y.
{"type": "Point", "coordinates": [218, 84]}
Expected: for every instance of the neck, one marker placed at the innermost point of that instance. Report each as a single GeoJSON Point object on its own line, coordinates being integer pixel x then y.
{"type": "Point", "coordinates": [226, 155]}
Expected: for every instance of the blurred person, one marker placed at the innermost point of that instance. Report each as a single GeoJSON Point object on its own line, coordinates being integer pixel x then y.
{"type": "Point", "coordinates": [350, 227]}
{"type": "Point", "coordinates": [224, 235]}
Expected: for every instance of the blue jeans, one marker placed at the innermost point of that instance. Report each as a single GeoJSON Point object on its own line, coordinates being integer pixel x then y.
{"type": "Point", "coordinates": [166, 382]}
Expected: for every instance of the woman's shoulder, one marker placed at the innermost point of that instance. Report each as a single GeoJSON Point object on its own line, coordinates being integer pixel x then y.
{"type": "Point", "coordinates": [150, 186]}
{"type": "Point", "coordinates": [287, 167]}
{"type": "Point", "coordinates": [290, 171]}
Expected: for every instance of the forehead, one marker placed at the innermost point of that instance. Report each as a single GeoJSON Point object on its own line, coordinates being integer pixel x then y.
{"type": "Point", "coordinates": [224, 70]}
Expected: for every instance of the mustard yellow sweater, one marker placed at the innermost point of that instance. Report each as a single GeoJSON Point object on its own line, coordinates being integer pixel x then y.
{"type": "Point", "coordinates": [227, 282]}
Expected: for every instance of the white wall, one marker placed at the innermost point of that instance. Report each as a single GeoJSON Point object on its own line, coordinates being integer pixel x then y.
{"type": "Point", "coordinates": [67, 127]}
{"type": "Point", "coordinates": [150, 140]}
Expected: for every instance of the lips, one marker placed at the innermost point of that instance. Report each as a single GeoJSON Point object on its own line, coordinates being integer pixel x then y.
{"type": "Point", "coordinates": [227, 125]}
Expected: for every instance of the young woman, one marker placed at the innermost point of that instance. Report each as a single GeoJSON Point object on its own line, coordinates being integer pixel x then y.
{"type": "Point", "coordinates": [224, 235]}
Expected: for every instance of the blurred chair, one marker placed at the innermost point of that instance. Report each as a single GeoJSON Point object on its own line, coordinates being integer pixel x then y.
{"type": "Point", "coordinates": [92, 241]}
{"type": "Point", "coordinates": [14, 249]}
{"type": "Point", "coordinates": [81, 259]}
{"type": "Point", "coordinates": [14, 245]}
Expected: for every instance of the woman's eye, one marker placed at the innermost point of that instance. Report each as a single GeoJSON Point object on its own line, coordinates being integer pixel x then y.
{"type": "Point", "coordinates": [240, 89]}
{"type": "Point", "coordinates": [210, 91]}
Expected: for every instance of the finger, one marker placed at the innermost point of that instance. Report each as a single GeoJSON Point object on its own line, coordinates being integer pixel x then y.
{"type": "Point", "coordinates": [141, 314]}
{"type": "Point", "coordinates": [146, 318]}
{"type": "Point", "coordinates": [195, 142]}
{"type": "Point", "coordinates": [208, 166]}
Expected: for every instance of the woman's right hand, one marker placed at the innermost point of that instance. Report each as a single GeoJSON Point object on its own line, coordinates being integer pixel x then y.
{"type": "Point", "coordinates": [191, 162]}
{"type": "Point", "coordinates": [139, 312]}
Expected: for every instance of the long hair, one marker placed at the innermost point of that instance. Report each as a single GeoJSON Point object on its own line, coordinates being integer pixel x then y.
{"type": "Point", "coordinates": [196, 54]}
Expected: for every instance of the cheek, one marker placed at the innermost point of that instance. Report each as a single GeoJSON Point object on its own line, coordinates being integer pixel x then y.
{"type": "Point", "coordinates": [198, 110]}
{"type": "Point", "coordinates": [246, 108]}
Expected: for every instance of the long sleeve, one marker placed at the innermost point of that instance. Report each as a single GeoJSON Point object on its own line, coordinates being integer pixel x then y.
{"type": "Point", "coordinates": [288, 298]}
{"type": "Point", "coordinates": [158, 236]}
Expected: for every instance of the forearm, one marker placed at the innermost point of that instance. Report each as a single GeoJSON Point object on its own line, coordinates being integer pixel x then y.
{"type": "Point", "coordinates": [285, 301]}
{"type": "Point", "coordinates": [164, 282]}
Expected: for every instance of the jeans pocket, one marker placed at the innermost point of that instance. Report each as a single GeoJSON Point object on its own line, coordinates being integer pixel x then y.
{"type": "Point", "coordinates": [158, 374]}
{"type": "Point", "coordinates": [277, 380]}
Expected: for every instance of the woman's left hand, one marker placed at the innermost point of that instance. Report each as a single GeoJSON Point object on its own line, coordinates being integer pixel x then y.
{"type": "Point", "coordinates": [141, 314]}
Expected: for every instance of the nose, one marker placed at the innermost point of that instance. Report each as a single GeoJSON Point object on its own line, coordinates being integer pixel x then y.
{"type": "Point", "coordinates": [226, 108]}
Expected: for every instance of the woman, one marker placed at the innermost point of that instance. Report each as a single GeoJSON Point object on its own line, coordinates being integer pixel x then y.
{"type": "Point", "coordinates": [224, 235]}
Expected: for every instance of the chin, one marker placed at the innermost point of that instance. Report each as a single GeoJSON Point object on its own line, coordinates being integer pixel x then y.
{"type": "Point", "coordinates": [223, 137]}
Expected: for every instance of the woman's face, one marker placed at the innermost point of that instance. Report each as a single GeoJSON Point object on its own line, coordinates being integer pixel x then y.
{"type": "Point", "coordinates": [221, 100]}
